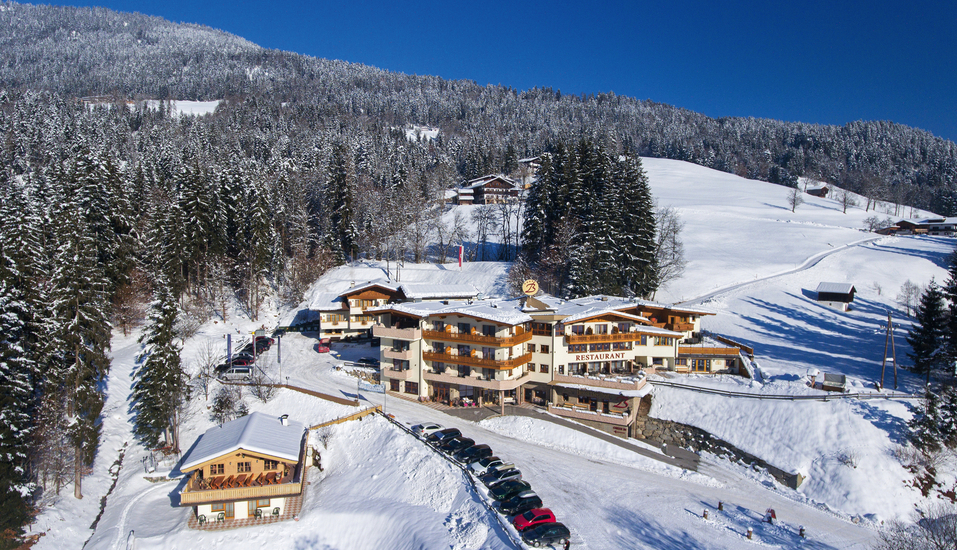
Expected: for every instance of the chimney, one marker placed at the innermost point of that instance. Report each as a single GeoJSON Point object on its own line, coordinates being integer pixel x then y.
{"type": "Point", "coordinates": [284, 419]}
{"type": "Point", "coordinates": [352, 284]}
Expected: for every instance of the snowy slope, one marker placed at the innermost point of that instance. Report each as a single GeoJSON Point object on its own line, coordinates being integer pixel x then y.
{"type": "Point", "coordinates": [751, 261]}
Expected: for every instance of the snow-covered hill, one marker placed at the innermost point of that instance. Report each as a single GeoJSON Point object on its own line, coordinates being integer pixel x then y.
{"type": "Point", "coordinates": [751, 261]}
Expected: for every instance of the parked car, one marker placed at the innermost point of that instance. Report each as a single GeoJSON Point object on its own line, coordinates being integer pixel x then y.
{"type": "Point", "coordinates": [546, 533]}
{"type": "Point", "coordinates": [240, 360]}
{"type": "Point", "coordinates": [320, 348]}
{"type": "Point", "coordinates": [426, 429]}
{"type": "Point", "coordinates": [533, 518]}
{"type": "Point", "coordinates": [473, 453]}
{"type": "Point", "coordinates": [234, 372]}
{"type": "Point", "coordinates": [521, 503]}
{"type": "Point", "coordinates": [480, 467]}
{"type": "Point", "coordinates": [493, 478]}
{"type": "Point", "coordinates": [440, 436]}
{"type": "Point", "coordinates": [268, 342]}
{"type": "Point", "coordinates": [508, 489]}
{"type": "Point", "coordinates": [456, 444]}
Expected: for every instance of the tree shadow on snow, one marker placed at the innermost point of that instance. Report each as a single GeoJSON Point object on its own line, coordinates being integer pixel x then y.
{"type": "Point", "coordinates": [635, 530]}
{"type": "Point", "coordinates": [940, 259]}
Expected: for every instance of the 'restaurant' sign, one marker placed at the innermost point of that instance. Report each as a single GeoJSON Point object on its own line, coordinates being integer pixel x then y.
{"type": "Point", "coordinates": [600, 356]}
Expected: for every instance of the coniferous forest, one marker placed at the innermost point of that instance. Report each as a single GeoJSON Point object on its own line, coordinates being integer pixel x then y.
{"type": "Point", "coordinates": [116, 212]}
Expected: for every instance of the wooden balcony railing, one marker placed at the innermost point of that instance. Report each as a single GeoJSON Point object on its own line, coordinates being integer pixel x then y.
{"type": "Point", "coordinates": [380, 331]}
{"type": "Point", "coordinates": [602, 338]}
{"type": "Point", "coordinates": [680, 327]}
{"type": "Point", "coordinates": [194, 493]}
{"type": "Point", "coordinates": [520, 338]}
{"type": "Point", "coordinates": [699, 350]}
{"type": "Point", "coordinates": [477, 361]}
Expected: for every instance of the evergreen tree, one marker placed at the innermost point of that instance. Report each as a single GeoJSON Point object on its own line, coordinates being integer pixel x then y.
{"type": "Point", "coordinates": [924, 426]}
{"type": "Point", "coordinates": [161, 385]}
{"type": "Point", "coordinates": [926, 336]}
{"type": "Point", "coordinates": [950, 292]}
{"type": "Point", "coordinates": [78, 336]}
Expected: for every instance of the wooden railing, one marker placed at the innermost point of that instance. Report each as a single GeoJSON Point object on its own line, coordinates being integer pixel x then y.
{"type": "Point", "coordinates": [602, 338]}
{"type": "Point", "coordinates": [196, 496]}
{"type": "Point", "coordinates": [699, 350]}
{"type": "Point", "coordinates": [520, 338]}
{"type": "Point", "coordinates": [680, 327]}
{"type": "Point", "coordinates": [354, 416]}
{"type": "Point", "coordinates": [477, 361]}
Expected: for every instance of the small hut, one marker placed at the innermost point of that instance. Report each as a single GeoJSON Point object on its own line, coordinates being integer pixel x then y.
{"type": "Point", "coordinates": [836, 295]}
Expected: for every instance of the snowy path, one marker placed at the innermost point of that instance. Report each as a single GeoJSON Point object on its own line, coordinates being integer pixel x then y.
{"type": "Point", "coordinates": [807, 264]}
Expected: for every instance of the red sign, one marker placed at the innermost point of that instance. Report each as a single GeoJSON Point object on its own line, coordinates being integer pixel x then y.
{"type": "Point", "coordinates": [599, 356]}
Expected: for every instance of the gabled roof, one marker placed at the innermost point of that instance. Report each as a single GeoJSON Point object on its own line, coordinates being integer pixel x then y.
{"type": "Point", "coordinates": [327, 301]}
{"type": "Point", "coordinates": [835, 288]}
{"type": "Point", "coordinates": [427, 291]}
{"type": "Point", "coordinates": [256, 432]}
{"type": "Point", "coordinates": [485, 180]}
{"type": "Point", "coordinates": [392, 289]}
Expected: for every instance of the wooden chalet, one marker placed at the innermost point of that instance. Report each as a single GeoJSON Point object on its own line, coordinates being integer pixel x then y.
{"type": "Point", "coordinates": [836, 295]}
{"type": "Point", "coordinates": [244, 469]}
{"type": "Point", "coordinates": [491, 189]}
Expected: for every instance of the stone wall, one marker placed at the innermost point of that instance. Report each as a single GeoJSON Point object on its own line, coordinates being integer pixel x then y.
{"type": "Point", "coordinates": [667, 432]}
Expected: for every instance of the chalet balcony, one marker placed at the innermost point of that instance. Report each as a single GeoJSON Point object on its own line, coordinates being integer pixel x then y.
{"type": "Point", "coordinates": [476, 380]}
{"type": "Point", "coordinates": [602, 338]}
{"type": "Point", "coordinates": [680, 327]}
{"type": "Point", "coordinates": [684, 351]}
{"type": "Point", "coordinates": [226, 488]}
{"type": "Point", "coordinates": [405, 355]}
{"type": "Point", "coordinates": [520, 337]}
{"type": "Point", "coordinates": [476, 361]}
{"type": "Point", "coordinates": [609, 381]}
{"type": "Point", "coordinates": [382, 331]}
{"type": "Point", "coordinates": [399, 374]}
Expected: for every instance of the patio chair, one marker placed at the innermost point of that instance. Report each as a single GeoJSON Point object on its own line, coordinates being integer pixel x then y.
{"type": "Point", "coordinates": [275, 512]}
{"type": "Point", "coordinates": [259, 513]}
{"type": "Point", "coordinates": [221, 517]}
{"type": "Point", "coordinates": [202, 519]}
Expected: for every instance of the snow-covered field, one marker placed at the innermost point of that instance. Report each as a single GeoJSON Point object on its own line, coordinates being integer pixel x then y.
{"type": "Point", "coordinates": [751, 261]}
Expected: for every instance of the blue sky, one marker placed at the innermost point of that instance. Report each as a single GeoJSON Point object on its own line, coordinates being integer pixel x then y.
{"type": "Point", "coordinates": [811, 61]}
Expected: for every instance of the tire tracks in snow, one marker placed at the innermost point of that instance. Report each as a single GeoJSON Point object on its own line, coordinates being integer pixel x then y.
{"type": "Point", "coordinates": [807, 264]}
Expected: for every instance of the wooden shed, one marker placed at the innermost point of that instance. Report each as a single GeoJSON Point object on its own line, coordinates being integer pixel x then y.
{"type": "Point", "coordinates": [836, 295]}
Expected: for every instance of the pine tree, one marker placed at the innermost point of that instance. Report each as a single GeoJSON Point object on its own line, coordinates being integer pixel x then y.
{"type": "Point", "coordinates": [950, 292]}
{"type": "Point", "coordinates": [924, 426]}
{"type": "Point", "coordinates": [161, 384]}
{"type": "Point", "coordinates": [926, 336]}
{"type": "Point", "coordinates": [79, 339]}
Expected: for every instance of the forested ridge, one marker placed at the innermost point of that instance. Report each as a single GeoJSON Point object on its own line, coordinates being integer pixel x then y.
{"type": "Point", "coordinates": [110, 204]}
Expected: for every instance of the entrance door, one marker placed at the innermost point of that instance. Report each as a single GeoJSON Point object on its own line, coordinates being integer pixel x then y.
{"type": "Point", "coordinates": [251, 509]}
{"type": "Point", "coordinates": [593, 405]}
{"type": "Point", "coordinates": [441, 393]}
{"type": "Point", "coordinates": [230, 510]}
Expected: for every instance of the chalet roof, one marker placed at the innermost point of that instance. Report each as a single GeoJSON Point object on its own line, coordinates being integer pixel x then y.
{"type": "Point", "coordinates": [256, 432]}
{"type": "Point", "coordinates": [506, 312]}
{"type": "Point", "coordinates": [835, 288]}
{"type": "Point", "coordinates": [426, 291]}
{"type": "Point", "coordinates": [589, 303]}
{"type": "Point", "coordinates": [366, 286]}
{"type": "Point", "coordinates": [327, 301]}
{"type": "Point", "coordinates": [485, 180]}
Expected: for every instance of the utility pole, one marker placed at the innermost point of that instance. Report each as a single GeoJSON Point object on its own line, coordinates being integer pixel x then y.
{"type": "Point", "coordinates": [889, 338]}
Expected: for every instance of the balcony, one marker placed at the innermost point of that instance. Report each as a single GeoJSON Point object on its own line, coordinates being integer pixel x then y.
{"type": "Point", "coordinates": [399, 374]}
{"type": "Point", "coordinates": [200, 491]}
{"type": "Point", "coordinates": [405, 355]}
{"type": "Point", "coordinates": [520, 337]}
{"type": "Point", "coordinates": [708, 351]}
{"type": "Point", "coordinates": [635, 382]}
{"type": "Point", "coordinates": [680, 327]}
{"type": "Point", "coordinates": [476, 381]}
{"type": "Point", "coordinates": [382, 331]}
{"type": "Point", "coordinates": [616, 419]}
{"type": "Point", "coordinates": [602, 338]}
{"type": "Point", "coordinates": [475, 361]}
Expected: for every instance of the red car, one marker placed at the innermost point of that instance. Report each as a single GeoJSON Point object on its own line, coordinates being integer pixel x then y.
{"type": "Point", "coordinates": [533, 517]}
{"type": "Point", "coordinates": [320, 348]}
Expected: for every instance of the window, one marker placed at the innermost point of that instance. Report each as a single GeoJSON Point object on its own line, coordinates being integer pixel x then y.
{"type": "Point", "coordinates": [531, 367]}
{"type": "Point", "coordinates": [578, 329]}
{"type": "Point", "coordinates": [599, 347]}
{"type": "Point", "coordinates": [400, 364]}
{"type": "Point", "coordinates": [561, 370]}
{"type": "Point", "coordinates": [394, 385]}
{"type": "Point", "coordinates": [262, 503]}
{"type": "Point", "coordinates": [488, 330]}
{"type": "Point", "coordinates": [663, 341]}
{"type": "Point", "coordinates": [217, 469]}
{"type": "Point", "coordinates": [439, 326]}
{"type": "Point", "coordinates": [644, 339]}
{"type": "Point", "coordinates": [681, 361]}
{"type": "Point", "coordinates": [243, 467]}
{"type": "Point", "coordinates": [270, 465]}
{"type": "Point", "coordinates": [582, 399]}
{"type": "Point", "coordinates": [601, 329]}
{"type": "Point", "coordinates": [218, 507]}
{"type": "Point", "coordinates": [464, 328]}
{"type": "Point", "coordinates": [578, 347]}
{"type": "Point", "coordinates": [541, 329]}
{"type": "Point", "coordinates": [544, 349]}
{"type": "Point", "coordinates": [658, 361]}
{"type": "Point", "coordinates": [621, 345]}
{"type": "Point", "coordinates": [412, 387]}
{"type": "Point", "coordinates": [438, 368]}
{"type": "Point", "coordinates": [543, 368]}
{"type": "Point", "coordinates": [531, 348]}
{"type": "Point", "coordinates": [624, 327]}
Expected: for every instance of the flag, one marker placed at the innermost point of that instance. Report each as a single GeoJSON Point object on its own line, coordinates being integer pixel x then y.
{"type": "Point", "coordinates": [461, 248]}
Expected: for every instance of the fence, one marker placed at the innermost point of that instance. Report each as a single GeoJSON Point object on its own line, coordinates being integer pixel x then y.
{"type": "Point", "coordinates": [824, 397]}
{"type": "Point", "coordinates": [353, 416]}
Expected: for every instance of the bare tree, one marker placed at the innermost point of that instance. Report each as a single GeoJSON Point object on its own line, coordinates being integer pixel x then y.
{"type": "Point", "coordinates": [908, 296]}
{"type": "Point", "coordinates": [261, 386]}
{"type": "Point", "coordinates": [935, 529]}
{"type": "Point", "coordinates": [483, 217]}
{"type": "Point", "coordinates": [795, 199]}
{"type": "Point", "coordinates": [206, 360]}
{"type": "Point", "coordinates": [845, 198]}
{"type": "Point", "coordinates": [669, 248]}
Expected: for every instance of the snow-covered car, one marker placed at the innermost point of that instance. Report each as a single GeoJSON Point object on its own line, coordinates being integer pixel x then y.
{"type": "Point", "coordinates": [495, 477]}
{"type": "Point", "coordinates": [533, 518]}
{"type": "Point", "coordinates": [456, 444]}
{"type": "Point", "coordinates": [479, 468]}
{"type": "Point", "coordinates": [546, 533]}
{"type": "Point", "coordinates": [426, 429]}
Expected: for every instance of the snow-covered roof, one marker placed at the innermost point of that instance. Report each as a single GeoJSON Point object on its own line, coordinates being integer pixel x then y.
{"type": "Point", "coordinates": [589, 306]}
{"type": "Point", "coordinates": [506, 312]}
{"type": "Point", "coordinates": [835, 288]}
{"type": "Point", "coordinates": [256, 432]}
{"type": "Point", "coordinates": [326, 301]}
{"type": "Point", "coordinates": [426, 291]}
{"type": "Point", "coordinates": [370, 284]}
{"type": "Point", "coordinates": [482, 181]}
{"type": "Point", "coordinates": [640, 392]}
